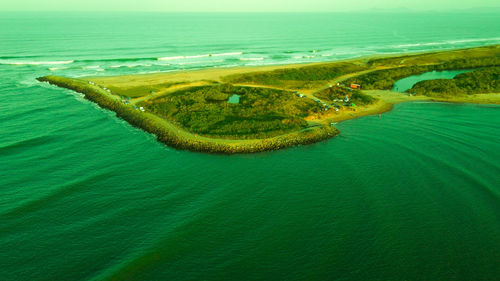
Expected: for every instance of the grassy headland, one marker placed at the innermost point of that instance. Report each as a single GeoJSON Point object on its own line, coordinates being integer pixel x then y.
{"type": "Point", "coordinates": [281, 106]}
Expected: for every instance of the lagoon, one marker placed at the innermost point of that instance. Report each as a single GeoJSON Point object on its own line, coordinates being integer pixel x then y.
{"type": "Point", "coordinates": [407, 83]}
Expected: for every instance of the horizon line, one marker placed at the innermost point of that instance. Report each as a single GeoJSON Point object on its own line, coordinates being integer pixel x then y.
{"type": "Point", "coordinates": [478, 9]}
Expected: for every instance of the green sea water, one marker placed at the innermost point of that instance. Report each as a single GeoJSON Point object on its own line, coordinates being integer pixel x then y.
{"type": "Point", "coordinates": [413, 194]}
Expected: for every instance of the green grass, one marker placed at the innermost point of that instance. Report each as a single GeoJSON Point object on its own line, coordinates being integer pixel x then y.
{"type": "Point", "coordinates": [485, 80]}
{"type": "Point", "coordinates": [338, 92]}
{"type": "Point", "coordinates": [169, 134]}
{"type": "Point", "coordinates": [200, 118]}
{"type": "Point", "coordinates": [436, 57]}
{"type": "Point", "coordinates": [385, 79]}
{"type": "Point", "coordinates": [306, 77]}
{"type": "Point", "coordinates": [261, 112]}
{"type": "Point", "coordinates": [139, 91]}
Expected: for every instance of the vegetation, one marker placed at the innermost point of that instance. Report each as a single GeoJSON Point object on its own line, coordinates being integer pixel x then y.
{"type": "Point", "coordinates": [299, 77]}
{"type": "Point", "coordinates": [138, 91]}
{"type": "Point", "coordinates": [486, 80]}
{"type": "Point", "coordinates": [261, 112]}
{"type": "Point", "coordinates": [434, 58]}
{"type": "Point", "coordinates": [332, 93]}
{"type": "Point", "coordinates": [385, 79]}
{"type": "Point", "coordinates": [175, 137]}
{"type": "Point", "coordinates": [200, 118]}
{"type": "Point", "coordinates": [361, 99]}
{"type": "Point", "coordinates": [339, 93]}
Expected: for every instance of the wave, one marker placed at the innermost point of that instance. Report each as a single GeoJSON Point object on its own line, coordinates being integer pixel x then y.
{"type": "Point", "coordinates": [261, 63]}
{"type": "Point", "coordinates": [304, 57]}
{"type": "Point", "coordinates": [209, 63]}
{"type": "Point", "coordinates": [200, 56]}
{"type": "Point", "coordinates": [31, 142]}
{"type": "Point", "coordinates": [157, 71]}
{"type": "Point", "coordinates": [55, 194]}
{"type": "Point", "coordinates": [131, 65]}
{"type": "Point", "coordinates": [251, 59]}
{"type": "Point", "coordinates": [116, 59]}
{"type": "Point", "coordinates": [172, 58]}
{"type": "Point", "coordinates": [448, 42]}
{"type": "Point", "coordinates": [57, 68]}
{"type": "Point", "coordinates": [15, 62]}
{"type": "Point", "coordinates": [91, 67]}
{"type": "Point", "coordinates": [227, 54]}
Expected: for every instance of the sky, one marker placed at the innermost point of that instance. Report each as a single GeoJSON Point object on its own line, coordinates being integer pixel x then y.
{"type": "Point", "coordinates": [244, 5]}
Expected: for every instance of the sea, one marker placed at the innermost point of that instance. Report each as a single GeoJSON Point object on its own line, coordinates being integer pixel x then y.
{"type": "Point", "coordinates": [412, 194]}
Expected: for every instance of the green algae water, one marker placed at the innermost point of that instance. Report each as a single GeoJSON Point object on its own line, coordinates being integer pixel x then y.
{"type": "Point", "coordinates": [413, 194]}
{"type": "Point", "coordinates": [407, 83]}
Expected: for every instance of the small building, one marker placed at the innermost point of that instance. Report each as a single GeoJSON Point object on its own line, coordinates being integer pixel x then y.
{"type": "Point", "coordinates": [355, 86]}
{"type": "Point", "coordinates": [142, 109]}
{"type": "Point", "coordinates": [234, 99]}
{"type": "Point", "coordinates": [346, 99]}
{"type": "Point", "coordinates": [301, 95]}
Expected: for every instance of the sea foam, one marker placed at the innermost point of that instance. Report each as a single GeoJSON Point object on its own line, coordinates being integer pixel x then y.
{"type": "Point", "coordinates": [200, 56]}
{"type": "Point", "coordinates": [11, 62]}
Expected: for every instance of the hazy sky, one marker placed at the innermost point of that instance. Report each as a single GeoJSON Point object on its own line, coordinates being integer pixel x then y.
{"type": "Point", "coordinates": [240, 5]}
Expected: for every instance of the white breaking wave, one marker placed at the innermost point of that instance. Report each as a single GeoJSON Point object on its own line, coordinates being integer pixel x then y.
{"type": "Point", "coordinates": [172, 58]}
{"type": "Point", "coordinates": [159, 71]}
{"type": "Point", "coordinates": [197, 62]}
{"type": "Point", "coordinates": [260, 64]}
{"type": "Point", "coordinates": [131, 65]}
{"type": "Point", "coordinates": [448, 42]}
{"type": "Point", "coordinates": [227, 65]}
{"type": "Point", "coordinates": [228, 54]}
{"type": "Point", "coordinates": [91, 67]}
{"type": "Point", "coordinates": [57, 68]}
{"type": "Point", "coordinates": [200, 56]}
{"type": "Point", "coordinates": [251, 59]}
{"type": "Point", "coordinates": [304, 57]}
{"type": "Point", "coordinates": [11, 62]}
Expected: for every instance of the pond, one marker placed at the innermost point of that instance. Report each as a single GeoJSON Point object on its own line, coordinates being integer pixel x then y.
{"type": "Point", "coordinates": [234, 99]}
{"type": "Point", "coordinates": [407, 83]}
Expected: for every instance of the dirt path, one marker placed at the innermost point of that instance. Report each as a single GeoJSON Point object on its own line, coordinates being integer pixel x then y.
{"type": "Point", "coordinates": [169, 90]}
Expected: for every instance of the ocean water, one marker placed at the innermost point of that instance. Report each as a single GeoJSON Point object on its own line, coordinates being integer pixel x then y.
{"type": "Point", "coordinates": [413, 194]}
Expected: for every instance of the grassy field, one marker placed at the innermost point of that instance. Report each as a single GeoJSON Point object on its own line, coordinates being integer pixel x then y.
{"type": "Point", "coordinates": [260, 113]}
{"type": "Point", "coordinates": [404, 66]}
{"type": "Point", "coordinates": [307, 77]}
{"type": "Point", "coordinates": [139, 91]}
{"type": "Point", "coordinates": [483, 80]}
{"type": "Point", "coordinates": [281, 106]}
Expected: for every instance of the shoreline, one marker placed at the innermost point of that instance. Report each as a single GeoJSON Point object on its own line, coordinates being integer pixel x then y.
{"type": "Point", "coordinates": [177, 137]}
{"type": "Point", "coordinates": [270, 67]}
{"type": "Point", "coordinates": [218, 72]}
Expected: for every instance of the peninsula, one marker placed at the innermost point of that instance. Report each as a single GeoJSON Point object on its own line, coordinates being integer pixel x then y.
{"type": "Point", "coordinates": [254, 109]}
